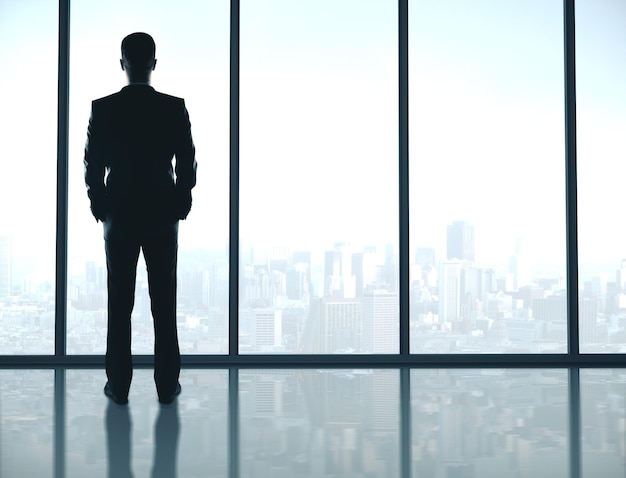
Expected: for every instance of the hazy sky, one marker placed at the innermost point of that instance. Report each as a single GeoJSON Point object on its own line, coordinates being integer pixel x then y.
{"type": "Point", "coordinates": [319, 119]}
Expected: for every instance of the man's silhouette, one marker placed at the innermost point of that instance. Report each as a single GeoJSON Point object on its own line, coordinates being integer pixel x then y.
{"type": "Point", "coordinates": [132, 138]}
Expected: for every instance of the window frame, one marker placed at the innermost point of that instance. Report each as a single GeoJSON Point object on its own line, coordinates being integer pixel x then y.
{"type": "Point", "coordinates": [573, 357]}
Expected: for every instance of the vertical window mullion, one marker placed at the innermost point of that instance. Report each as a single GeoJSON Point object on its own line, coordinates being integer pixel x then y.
{"type": "Point", "coordinates": [62, 166]}
{"type": "Point", "coordinates": [233, 330]}
{"type": "Point", "coordinates": [403, 176]}
{"type": "Point", "coordinates": [571, 179]}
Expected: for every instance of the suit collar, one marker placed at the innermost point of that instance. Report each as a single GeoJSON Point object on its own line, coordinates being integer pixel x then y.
{"type": "Point", "coordinates": [133, 86]}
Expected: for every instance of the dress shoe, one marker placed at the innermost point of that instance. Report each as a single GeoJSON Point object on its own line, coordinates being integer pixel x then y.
{"type": "Point", "coordinates": [109, 393]}
{"type": "Point", "coordinates": [172, 397]}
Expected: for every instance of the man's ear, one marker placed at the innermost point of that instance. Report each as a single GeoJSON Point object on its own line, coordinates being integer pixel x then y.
{"type": "Point", "coordinates": [122, 65]}
{"type": "Point", "coordinates": [154, 64]}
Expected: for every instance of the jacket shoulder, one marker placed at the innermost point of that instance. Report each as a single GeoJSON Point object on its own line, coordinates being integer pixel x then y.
{"type": "Point", "coordinates": [106, 99]}
{"type": "Point", "coordinates": [169, 98]}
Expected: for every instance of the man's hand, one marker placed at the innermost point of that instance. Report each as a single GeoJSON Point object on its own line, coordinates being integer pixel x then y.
{"type": "Point", "coordinates": [98, 209]}
{"type": "Point", "coordinates": [183, 204]}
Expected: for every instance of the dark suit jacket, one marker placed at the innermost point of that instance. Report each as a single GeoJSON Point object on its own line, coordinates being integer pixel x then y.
{"type": "Point", "coordinates": [132, 138]}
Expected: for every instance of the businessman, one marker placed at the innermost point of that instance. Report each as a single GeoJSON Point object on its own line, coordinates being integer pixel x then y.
{"type": "Point", "coordinates": [139, 196]}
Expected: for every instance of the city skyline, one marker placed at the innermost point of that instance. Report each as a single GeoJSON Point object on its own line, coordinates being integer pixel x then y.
{"type": "Point", "coordinates": [332, 301]}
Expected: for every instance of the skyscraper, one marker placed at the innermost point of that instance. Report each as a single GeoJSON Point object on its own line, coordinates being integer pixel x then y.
{"type": "Point", "coordinates": [339, 281]}
{"type": "Point", "coordinates": [449, 290]}
{"type": "Point", "coordinates": [460, 241]}
{"type": "Point", "coordinates": [519, 266]}
{"type": "Point", "coordinates": [380, 321]}
{"type": "Point", "coordinates": [341, 325]}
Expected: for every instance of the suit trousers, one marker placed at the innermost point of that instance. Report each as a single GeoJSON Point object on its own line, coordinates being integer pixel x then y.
{"type": "Point", "coordinates": [159, 243]}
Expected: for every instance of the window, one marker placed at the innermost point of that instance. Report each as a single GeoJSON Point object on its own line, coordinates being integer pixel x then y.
{"type": "Point", "coordinates": [487, 166]}
{"type": "Point", "coordinates": [192, 52]}
{"type": "Point", "coordinates": [28, 133]}
{"type": "Point", "coordinates": [319, 177]}
{"type": "Point", "coordinates": [318, 128]}
{"type": "Point", "coordinates": [601, 122]}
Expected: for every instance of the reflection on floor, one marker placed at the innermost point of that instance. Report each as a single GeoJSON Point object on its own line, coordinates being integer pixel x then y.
{"type": "Point", "coordinates": [286, 423]}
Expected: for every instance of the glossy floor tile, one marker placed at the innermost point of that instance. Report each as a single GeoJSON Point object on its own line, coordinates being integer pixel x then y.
{"type": "Point", "coordinates": [432, 423]}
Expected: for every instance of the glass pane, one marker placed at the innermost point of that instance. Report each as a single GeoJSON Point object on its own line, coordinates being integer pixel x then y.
{"type": "Point", "coordinates": [192, 49]}
{"type": "Point", "coordinates": [26, 423]}
{"type": "Point", "coordinates": [488, 423]}
{"type": "Point", "coordinates": [487, 177]}
{"type": "Point", "coordinates": [601, 122]}
{"type": "Point", "coordinates": [319, 423]}
{"type": "Point", "coordinates": [28, 135]}
{"type": "Point", "coordinates": [319, 175]}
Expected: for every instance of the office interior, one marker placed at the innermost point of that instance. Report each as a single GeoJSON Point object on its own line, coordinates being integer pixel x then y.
{"type": "Point", "coordinates": [404, 256]}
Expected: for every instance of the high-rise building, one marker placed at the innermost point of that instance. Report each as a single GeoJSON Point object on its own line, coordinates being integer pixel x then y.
{"type": "Point", "coordinates": [552, 308]}
{"type": "Point", "coordinates": [365, 269]}
{"type": "Point", "coordinates": [339, 281]}
{"type": "Point", "coordinates": [449, 291]}
{"type": "Point", "coordinates": [472, 290]}
{"type": "Point", "coordinates": [341, 321]}
{"type": "Point", "coordinates": [390, 269]}
{"type": "Point", "coordinates": [5, 266]}
{"type": "Point", "coordinates": [267, 329]}
{"type": "Point", "coordinates": [588, 321]}
{"type": "Point", "coordinates": [297, 281]}
{"type": "Point", "coordinates": [380, 321]}
{"type": "Point", "coordinates": [460, 241]}
{"type": "Point", "coordinates": [520, 267]}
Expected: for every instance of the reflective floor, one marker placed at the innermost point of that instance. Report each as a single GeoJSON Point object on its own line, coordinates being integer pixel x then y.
{"type": "Point", "coordinates": [436, 423]}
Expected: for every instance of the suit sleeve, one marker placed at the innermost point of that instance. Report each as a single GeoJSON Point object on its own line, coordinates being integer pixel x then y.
{"type": "Point", "coordinates": [95, 164]}
{"type": "Point", "coordinates": [186, 165]}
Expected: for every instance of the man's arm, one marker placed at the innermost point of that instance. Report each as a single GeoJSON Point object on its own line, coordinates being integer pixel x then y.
{"type": "Point", "coordinates": [186, 166]}
{"type": "Point", "coordinates": [94, 162]}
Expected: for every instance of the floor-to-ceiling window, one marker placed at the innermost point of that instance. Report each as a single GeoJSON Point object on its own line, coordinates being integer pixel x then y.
{"type": "Point", "coordinates": [487, 166]}
{"type": "Point", "coordinates": [601, 108]}
{"type": "Point", "coordinates": [319, 177]}
{"type": "Point", "coordinates": [318, 194]}
{"type": "Point", "coordinates": [28, 135]}
{"type": "Point", "coordinates": [193, 52]}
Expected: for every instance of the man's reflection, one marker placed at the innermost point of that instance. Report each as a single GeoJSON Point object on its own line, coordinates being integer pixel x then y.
{"type": "Point", "coordinates": [166, 432]}
{"type": "Point", "coordinates": [118, 426]}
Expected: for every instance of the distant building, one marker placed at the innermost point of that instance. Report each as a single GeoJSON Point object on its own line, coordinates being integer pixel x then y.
{"type": "Point", "coordinates": [588, 321]}
{"type": "Point", "coordinates": [266, 329]}
{"type": "Point", "coordinates": [380, 322]}
{"type": "Point", "coordinates": [341, 322]}
{"type": "Point", "coordinates": [552, 308]}
{"type": "Point", "coordinates": [339, 280]}
{"type": "Point", "coordinates": [297, 280]}
{"type": "Point", "coordinates": [520, 266]}
{"type": "Point", "coordinates": [449, 290]}
{"type": "Point", "coordinates": [460, 241]}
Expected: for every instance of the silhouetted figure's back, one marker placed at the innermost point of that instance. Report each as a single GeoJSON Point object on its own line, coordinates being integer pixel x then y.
{"type": "Point", "coordinates": [138, 131]}
{"type": "Point", "coordinates": [139, 196]}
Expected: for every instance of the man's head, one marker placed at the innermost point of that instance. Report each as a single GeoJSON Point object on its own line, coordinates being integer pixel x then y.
{"type": "Point", "coordinates": [138, 59]}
